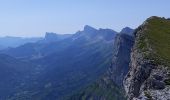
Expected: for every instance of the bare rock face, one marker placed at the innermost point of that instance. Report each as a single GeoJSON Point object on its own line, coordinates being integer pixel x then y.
{"type": "Point", "coordinates": [147, 79]}
{"type": "Point", "coordinates": [121, 58]}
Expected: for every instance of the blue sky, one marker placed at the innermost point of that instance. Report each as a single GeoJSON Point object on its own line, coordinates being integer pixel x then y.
{"type": "Point", "coordinates": [31, 18]}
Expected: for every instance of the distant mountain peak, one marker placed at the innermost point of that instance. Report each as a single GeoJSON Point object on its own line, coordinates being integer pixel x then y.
{"type": "Point", "coordinates": [53, 37]}
{"type": "Point", "coordinates": [89, 28]}
{"type": "Point", "coordinates": [50, 34]}
{"type": "Point", "coordinates": [127, 30]}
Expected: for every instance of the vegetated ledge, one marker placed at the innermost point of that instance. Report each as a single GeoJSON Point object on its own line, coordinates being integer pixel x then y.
{"type": "Point", "coordinates": [149, 75]}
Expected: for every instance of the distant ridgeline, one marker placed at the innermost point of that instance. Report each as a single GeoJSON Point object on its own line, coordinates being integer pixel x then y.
{"type": "Point", "coordinates": [57, 66]}
{"type": "Point", "coordinates": [9, 42]}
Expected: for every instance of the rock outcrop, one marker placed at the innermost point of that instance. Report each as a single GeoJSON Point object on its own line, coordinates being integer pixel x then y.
{"type": "Point", "coordinates": [149, 74]}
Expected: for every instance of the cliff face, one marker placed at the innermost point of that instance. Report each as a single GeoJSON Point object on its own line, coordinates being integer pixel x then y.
{"type": "Point", "coordinates": [121, 58]}
{"type": "Point", "coordinates": [109, 86]}
{"type": "Point", "coordinates": [149, 74]}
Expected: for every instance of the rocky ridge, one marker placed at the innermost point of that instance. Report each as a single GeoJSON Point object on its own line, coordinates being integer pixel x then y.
{"type": "Point", "coordinates": [149, 74]}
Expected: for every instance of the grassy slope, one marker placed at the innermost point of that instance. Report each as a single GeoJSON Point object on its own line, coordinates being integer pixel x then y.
{"type": "Point", "coordinates": [157, 35]}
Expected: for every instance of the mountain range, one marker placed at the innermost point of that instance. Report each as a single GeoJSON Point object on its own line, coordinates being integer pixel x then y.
{"type": "Point", "coordinates": [60, 63]}
{"type": "Point", "coordinates": [92, 64]}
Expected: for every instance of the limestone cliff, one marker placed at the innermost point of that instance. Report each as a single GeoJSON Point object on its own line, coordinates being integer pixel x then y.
{"type": "Point", "coordinates": [149, 74]}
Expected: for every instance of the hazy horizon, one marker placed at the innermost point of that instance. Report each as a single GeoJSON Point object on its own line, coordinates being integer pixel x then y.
{"type": "Point", "coordinates": [30, 18]}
